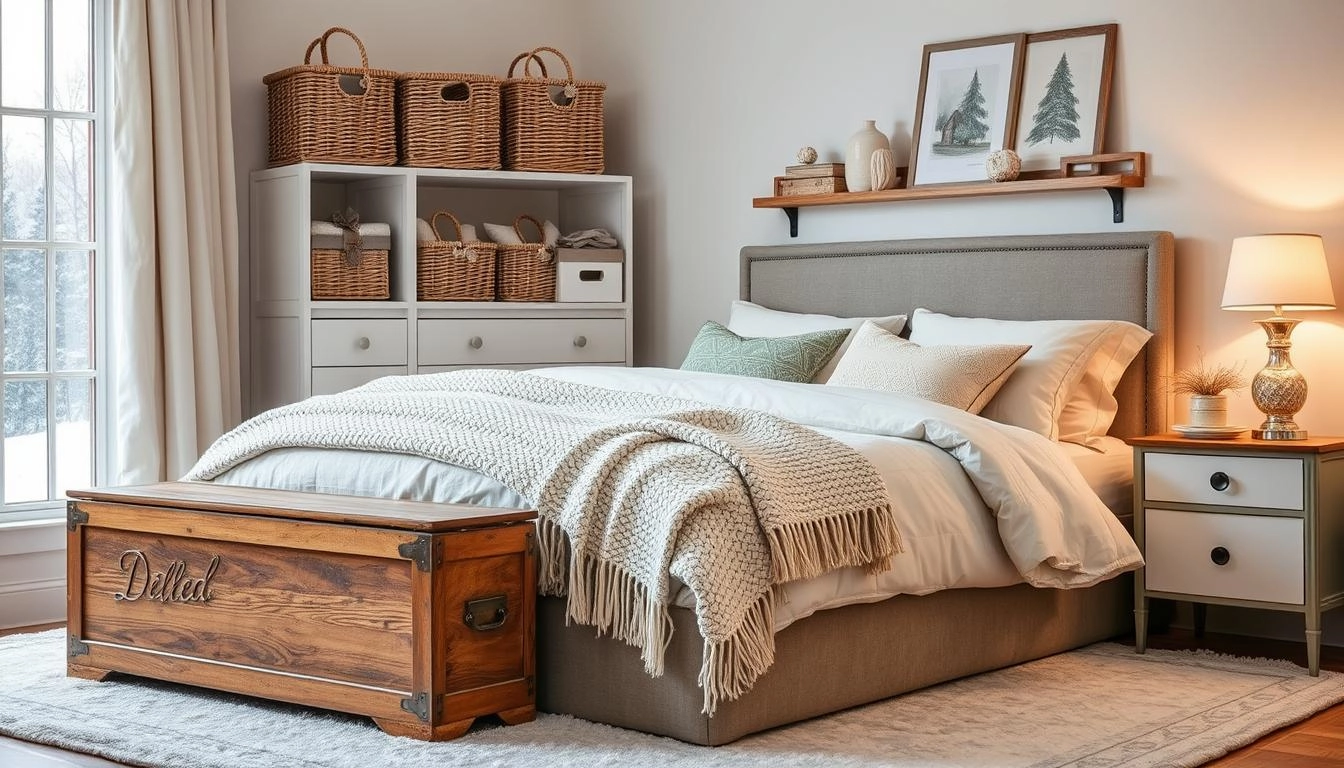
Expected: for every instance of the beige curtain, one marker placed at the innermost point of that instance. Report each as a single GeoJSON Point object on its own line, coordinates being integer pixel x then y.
{"type": "Point", "coordinates": [173, 358]}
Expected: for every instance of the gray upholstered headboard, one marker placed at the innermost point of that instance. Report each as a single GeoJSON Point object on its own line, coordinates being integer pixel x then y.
{"type": "Point", "coordinates": [1113, 276]}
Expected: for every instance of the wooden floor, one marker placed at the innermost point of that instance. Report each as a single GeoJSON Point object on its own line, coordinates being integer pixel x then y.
{"type": "Point", "coordinates": [1314, 743]}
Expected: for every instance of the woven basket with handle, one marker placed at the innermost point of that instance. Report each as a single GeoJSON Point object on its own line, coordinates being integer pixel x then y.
{"type": "Point", "coordinates": [327, 114]}
{"type": "Point", "coordinates": [454, 270]}
{"type": "Point", "coordinates": [526, 270]}
{"type": "Point", "coordinates": [448, 120]}
{"type": "Point", "coordinates": [551, 123]}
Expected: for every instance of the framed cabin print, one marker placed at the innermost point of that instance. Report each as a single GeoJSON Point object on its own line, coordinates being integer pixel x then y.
{"type": "Point", "coordinates": [967, 107]}
{"type": "Point", "coordinates": [1066, 86]}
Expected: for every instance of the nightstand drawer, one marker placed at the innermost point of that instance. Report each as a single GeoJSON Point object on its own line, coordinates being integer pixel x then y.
{"type": "Point", "coordinates": [1263, 555]}
{"type": "Point", "coordinates": [359, 342]}
{"type": "Point", "coordinates": [1246, 481]}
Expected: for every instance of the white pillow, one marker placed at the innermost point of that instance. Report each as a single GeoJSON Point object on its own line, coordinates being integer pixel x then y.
{"type": "Point", "coordinates": [960, 375]}
{"type": "Point", "coordinates": [1091, 407]}
{"type": "Point", "coordinates": [753, 320]}
{"type": "Point", "coordinates": [1062, 355]}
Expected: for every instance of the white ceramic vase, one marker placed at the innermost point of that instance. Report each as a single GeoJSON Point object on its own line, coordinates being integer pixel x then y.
{"type": "Point", "coordinates": [1208, 410]}
{"type": "Point", "coordinates": [859, 154]}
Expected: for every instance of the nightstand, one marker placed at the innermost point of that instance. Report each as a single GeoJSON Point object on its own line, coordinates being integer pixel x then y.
{"type": "Point", "coordinates": [1252, 523]}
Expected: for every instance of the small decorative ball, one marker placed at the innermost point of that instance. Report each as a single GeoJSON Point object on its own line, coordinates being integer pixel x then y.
{"type": "Point", "coordinates": [1003, 165]}
{"type": "Point", "coordinates": [807, 155]}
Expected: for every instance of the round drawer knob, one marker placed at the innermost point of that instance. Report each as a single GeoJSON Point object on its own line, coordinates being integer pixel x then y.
{"type": "Point", "coordinates": [363, 342]}
{"type": "Point", "coordinates": [475, 342]}
{"type": "Point", "coordinates": [580, 341]}
{"type": "Point", "coordinates": [1220, 555]}
{"type": "Point", "coordinates": [1219, 481]}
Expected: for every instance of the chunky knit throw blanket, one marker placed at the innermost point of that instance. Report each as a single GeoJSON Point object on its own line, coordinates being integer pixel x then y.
{"type": "Point", "coordinates": [630, 488]}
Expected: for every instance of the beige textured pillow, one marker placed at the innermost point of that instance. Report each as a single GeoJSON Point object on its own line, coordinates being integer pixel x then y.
{"type": "Point", "coordinates": [963, 376]}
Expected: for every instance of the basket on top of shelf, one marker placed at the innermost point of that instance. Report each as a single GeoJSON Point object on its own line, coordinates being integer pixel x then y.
{"type": "Point", "coordinates": [454, 270]}
{"type": "Point", "coordinates": [448, 120]}
{"type": "Point", "coordinates": [527, 270]}
{"type": "Point", "coordinates": [551, 123]}
{"type": "Point", "coordinates": [328, 114]}
{"type": "Point", "coordinates": [348, 260]}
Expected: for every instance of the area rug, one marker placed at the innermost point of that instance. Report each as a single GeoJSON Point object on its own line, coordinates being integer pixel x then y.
{"type": "Point", "coordinates": [1097, 707]}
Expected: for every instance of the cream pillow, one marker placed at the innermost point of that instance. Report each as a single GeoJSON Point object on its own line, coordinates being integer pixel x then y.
{"type": "Point", "coordinates": [753, 320]}
{"type": "Point", "coordinates": [960, 375]}
{"type": "Point", "coordinates": [1062, 354]}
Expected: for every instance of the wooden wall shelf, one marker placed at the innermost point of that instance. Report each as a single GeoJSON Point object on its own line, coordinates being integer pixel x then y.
{"type": "Point", "coordinates": [1115, 184]}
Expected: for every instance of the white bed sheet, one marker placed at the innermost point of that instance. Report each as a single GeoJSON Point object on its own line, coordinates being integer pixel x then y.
{"type": "Point", "coordinates": [951, 542]}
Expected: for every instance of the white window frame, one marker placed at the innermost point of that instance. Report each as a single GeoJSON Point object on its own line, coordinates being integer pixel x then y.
{"type": "Point", "coordinates": [54, 508]}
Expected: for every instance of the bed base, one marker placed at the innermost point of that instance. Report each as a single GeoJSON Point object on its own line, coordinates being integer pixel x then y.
{"type": "Point", "coordinates": [843, 657]}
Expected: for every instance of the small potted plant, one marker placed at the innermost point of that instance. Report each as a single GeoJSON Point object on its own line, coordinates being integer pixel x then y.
{"type": "Point", "coordinates": [1207, 387]}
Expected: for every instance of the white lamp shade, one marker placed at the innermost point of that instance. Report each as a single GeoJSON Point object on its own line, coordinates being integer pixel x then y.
{"type": "Point", "coordinates": [1283, 270]}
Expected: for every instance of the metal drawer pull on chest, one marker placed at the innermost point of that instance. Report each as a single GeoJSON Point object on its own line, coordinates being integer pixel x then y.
{"type": "Point", "coordinates": [475, 342]}
{"type": "Point", "coordinates": [1219, 481]}
{"type": "Point", "coordinates": [496, 607]}
{"type": "Point", "coordinates": [1220, 555]}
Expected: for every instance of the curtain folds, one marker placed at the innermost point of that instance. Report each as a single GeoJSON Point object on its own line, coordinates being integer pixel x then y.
{"type": "Point", "coordinates": [173, 296]}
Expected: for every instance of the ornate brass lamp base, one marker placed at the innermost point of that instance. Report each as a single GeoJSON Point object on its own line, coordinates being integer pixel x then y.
{"type": "Point", "coordinates": [1279, 390]}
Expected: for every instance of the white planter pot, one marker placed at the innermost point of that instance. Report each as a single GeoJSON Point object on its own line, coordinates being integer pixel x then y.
{"type": "Point", "coordinates": [1208, 410]}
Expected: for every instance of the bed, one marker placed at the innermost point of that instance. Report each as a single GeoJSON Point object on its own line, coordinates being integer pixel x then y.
{"type": "Point", "coordinates": [857, 654]}
{"type": "Point", "coordinates": [846, 656]}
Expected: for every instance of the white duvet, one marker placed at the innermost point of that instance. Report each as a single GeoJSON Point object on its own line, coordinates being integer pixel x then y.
{"type": "Point", "coordinates": [1027, 497]}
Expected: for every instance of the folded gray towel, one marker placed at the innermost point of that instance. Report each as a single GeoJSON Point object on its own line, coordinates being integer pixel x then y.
{"type": "Point", "coordinates": [588, 238]}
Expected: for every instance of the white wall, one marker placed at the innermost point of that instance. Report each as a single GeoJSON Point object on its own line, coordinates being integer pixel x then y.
{"type": "Point", "coordinates": [1238, 102]}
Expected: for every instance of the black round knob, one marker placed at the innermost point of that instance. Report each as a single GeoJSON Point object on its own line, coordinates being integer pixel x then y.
{"type": "Point", "coordinates": [1220, 555]}
{"type": "Point", "coordinates": [1219, 481]}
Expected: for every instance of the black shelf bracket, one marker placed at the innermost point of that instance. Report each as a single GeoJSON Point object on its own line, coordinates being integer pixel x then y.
{"type": "Point", "coordinates": [1117, 204]}
{"type": "Point", "coordinates": [792, 212]}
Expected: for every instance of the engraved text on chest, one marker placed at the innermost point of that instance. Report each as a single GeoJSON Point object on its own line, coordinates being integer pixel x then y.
{"type": "Point", "coordinates": [173, 584]}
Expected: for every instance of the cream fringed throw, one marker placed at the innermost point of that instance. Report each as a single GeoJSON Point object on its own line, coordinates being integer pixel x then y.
{"type": "Point", "coordinates": [633, 487]}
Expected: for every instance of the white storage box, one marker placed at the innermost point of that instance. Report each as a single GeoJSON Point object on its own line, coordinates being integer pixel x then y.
{"type": "Point", "coordinates": [590, 274]}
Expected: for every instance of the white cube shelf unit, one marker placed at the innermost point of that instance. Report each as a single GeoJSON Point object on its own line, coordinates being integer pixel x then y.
{"type": "Point", "coordinates": [302, 347]}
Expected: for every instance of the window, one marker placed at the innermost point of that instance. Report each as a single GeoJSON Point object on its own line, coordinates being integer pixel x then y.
{"type": "Point", "coordinates": [50, 248]}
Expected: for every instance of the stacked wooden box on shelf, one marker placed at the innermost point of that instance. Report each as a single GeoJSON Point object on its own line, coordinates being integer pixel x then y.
{"type": "Point", "coordinates": [815, 179]}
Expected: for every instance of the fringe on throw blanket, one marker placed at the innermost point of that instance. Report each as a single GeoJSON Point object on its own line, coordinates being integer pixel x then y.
{"type": "Point", "coordinates": [602, 595]}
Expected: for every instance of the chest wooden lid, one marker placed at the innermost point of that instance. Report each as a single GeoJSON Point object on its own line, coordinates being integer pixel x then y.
{"type": "Point", "coordinates": [398, 514]}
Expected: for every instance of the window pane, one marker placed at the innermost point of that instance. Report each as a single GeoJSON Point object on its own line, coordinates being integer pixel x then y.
{"type": "Point", "coordinates": [71, 49]}
{"type": "Point", "coordinates": [25, 312]}
{"type": "Point", "coordinates": [25, 441]}
{"type": "Point", "coordinates": [23, 53]}
{"type": "Point", "coordinates": [23, 208]}
{"type": "Point", "coordinates": [72, 191]}
{"type": "Point", "coordinates": [74, 434]}
{"type": "Point", "coordinates": [74, 311]}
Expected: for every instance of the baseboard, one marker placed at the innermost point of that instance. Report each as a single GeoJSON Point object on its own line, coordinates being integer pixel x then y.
{"type": "Point", "coordinates": [32, 603]}
{"type": "Point", "coordinates": [32, 573]}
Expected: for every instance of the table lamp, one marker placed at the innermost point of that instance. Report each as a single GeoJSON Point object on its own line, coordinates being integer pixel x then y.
{"type": "Point", "coordinates": [1278, 272]}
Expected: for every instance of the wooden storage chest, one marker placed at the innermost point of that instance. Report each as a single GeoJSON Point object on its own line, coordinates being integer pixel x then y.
{"type": "Point", "coordinates": [419, 615]}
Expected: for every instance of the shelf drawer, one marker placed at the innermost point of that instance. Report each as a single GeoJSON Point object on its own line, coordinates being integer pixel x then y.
{"type": "Point", "coordinates": [1247, 481]}
{"type": "Point", "coordinates": [327, 381]}
{"type": "Point", "coordinates": [359, 342]}
{"type": "Point", "coordinates": [502, 342]}
{"type": "Point", "coordinates": [1264, 555]}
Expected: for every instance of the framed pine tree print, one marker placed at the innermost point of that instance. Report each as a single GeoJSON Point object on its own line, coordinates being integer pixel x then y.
{"type": "Point", "coordinates": [1066, 87]}
{"type": "Point", "coordinates": [967, 107]}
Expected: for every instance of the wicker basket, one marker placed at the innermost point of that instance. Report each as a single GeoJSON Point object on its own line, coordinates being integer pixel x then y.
{"type": "Point", "coordinates": [448, 120]}
{"type": "Point", "coordinates": [338, 277]}
{"type": "Point", "coordinates": [543, 135]}
{"type": "Point", "coordinates": [526, 271]}
{"type": "Point", "coordinates": [454, 270]}
{"type": "Point", "coordinates": [311, 116]}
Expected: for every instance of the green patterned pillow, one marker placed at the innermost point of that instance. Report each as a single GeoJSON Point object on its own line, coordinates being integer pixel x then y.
{"type": "Point", "coordinates": [786, 358]}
